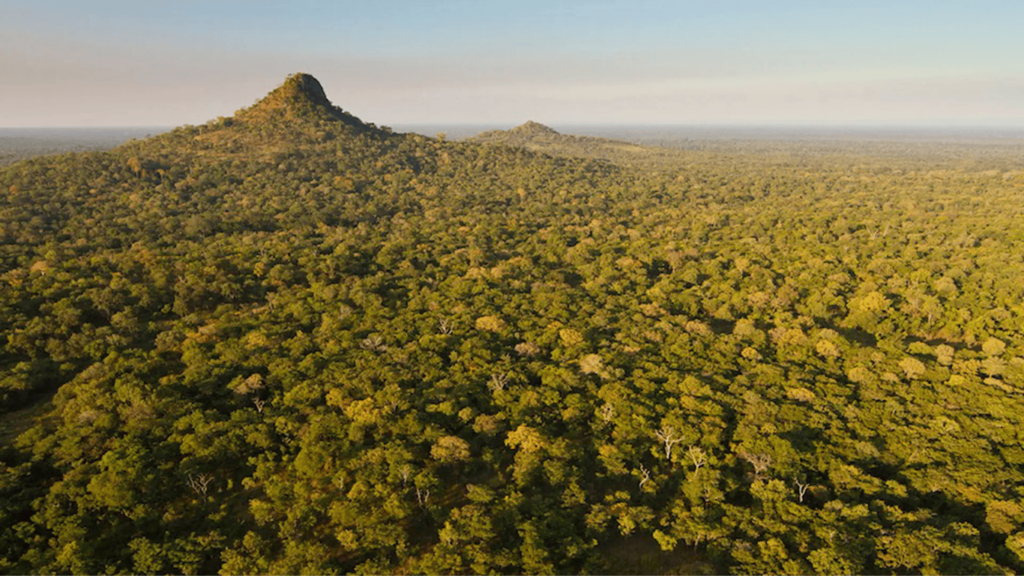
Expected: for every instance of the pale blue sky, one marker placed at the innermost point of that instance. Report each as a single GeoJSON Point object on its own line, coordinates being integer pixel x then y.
{"type": "Point", "coordinates": [122, 63]}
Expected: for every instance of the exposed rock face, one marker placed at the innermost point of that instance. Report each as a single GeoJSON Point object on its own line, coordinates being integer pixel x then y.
{"type": "Point", "coordinates": [301, 87]}
{"type": "Point", "coordinates": [301, 95]}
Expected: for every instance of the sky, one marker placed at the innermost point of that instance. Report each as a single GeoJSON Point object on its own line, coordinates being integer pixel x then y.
{"type": "Point", "coordinates": [605, 62]}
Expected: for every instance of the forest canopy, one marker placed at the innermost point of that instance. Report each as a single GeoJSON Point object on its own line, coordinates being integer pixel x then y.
{"type": "Point", "coordinates": [290, 341]}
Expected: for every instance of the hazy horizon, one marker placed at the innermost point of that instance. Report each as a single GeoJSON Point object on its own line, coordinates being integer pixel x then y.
{"type": "Point", "coordinates": [1007, 130]}
{"type": "Point", "coordinates": [739, 62]}
{"type": "Point", "coordinates": [932, 142]}
{"type": "Point", "coordinates": [642, 133]}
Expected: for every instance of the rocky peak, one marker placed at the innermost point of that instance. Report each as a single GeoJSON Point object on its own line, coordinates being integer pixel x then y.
{"type": "Point", "coordinates": [301, 95]}
{"type": "Point", "coordinates": [298, 89]}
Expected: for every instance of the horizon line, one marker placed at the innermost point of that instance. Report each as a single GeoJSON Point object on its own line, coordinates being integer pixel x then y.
{"type": "Point", "coordinates": [783, 125]}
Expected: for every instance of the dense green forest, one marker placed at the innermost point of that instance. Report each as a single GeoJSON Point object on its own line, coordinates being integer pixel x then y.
{"type": "Point", "coordinates": [292, 342]}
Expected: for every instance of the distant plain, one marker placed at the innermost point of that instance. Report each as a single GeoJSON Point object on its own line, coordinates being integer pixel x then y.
{"type": "Point", "coordinates": [21, 143]}
{"type": "Point", "coordinates": [950, 147]}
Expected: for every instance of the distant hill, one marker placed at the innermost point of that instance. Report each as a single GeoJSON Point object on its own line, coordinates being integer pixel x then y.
{"type": "Point", "coordinates": [538, 137]}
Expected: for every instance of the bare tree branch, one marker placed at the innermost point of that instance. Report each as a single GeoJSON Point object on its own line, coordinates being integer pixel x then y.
{"type": "Point", "coordinates": [698, 457]}
{"type": "Point", "coordinates": [200, 483]}
{"type": "Point", "coordinates": [667, 434]}
{"type": "Point", "coordinates": [645, 475]}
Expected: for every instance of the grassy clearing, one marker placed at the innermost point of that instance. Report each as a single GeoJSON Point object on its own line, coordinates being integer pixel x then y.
{"type": "Point", "coordinates": [640, 554]}
{"type": "Point", "coordinates": [13, 423]}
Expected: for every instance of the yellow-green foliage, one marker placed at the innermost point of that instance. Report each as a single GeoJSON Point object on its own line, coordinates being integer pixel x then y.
{"type": "Point", "coordinates": [290, 342]}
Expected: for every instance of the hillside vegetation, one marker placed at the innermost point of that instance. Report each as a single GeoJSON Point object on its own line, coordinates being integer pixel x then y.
{"type": "Point", "coordinates": [292, 342]}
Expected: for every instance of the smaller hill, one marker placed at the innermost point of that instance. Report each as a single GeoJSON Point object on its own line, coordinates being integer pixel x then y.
{"type": "Point", "coordinates": [532, 128]}
{"type": "Point", "coordinates": [540, 138]}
